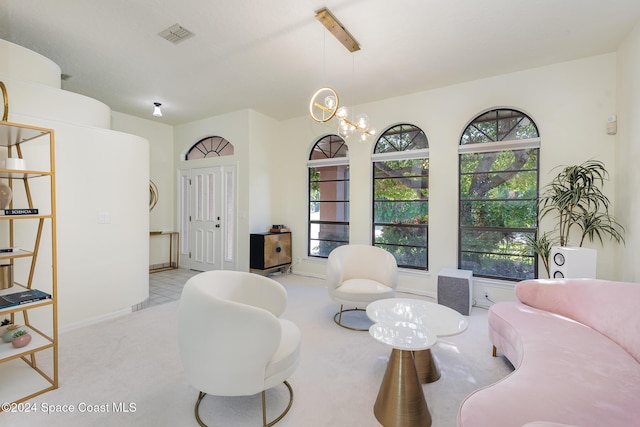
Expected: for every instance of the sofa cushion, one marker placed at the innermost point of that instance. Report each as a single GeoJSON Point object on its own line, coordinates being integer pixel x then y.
{"type": "Point", "coordinates": [608, 307]}
{"type": "Point", "coordinates": [566, 373]}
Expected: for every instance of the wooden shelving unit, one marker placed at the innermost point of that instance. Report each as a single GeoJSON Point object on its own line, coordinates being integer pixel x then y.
{"type": "Point", "coordinates": [31, 370]}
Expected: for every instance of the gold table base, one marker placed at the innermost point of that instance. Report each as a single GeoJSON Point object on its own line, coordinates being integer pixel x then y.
{"type": "Point", "coordinates": [428, 371]}
{"type": "Point", "coordinates": [401, 401]}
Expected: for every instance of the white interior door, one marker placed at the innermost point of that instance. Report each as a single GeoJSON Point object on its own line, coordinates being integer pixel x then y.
{"type": "Point", "coordinates": [208, 218]}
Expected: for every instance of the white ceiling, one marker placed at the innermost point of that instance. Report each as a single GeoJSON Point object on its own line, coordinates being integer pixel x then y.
{"type": "Point", "coordinates": [271, 55]}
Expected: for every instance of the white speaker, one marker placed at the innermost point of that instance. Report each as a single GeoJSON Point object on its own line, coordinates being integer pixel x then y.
{"type": "Point", "coordinates": [569, 262]}
{"type": "Point", "coordinates": [454, 289]}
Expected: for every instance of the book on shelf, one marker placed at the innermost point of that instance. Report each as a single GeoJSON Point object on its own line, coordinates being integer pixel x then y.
{"type": "Point", "coordinates": [19, 211]}
{"type": "Point", "coordinates": [22, 297]}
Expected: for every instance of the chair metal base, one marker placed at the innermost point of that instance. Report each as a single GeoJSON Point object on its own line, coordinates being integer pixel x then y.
{"type": "Point", "coordinates": [338, 319]}
{"type": "Point", "coordinates": [201, 395]}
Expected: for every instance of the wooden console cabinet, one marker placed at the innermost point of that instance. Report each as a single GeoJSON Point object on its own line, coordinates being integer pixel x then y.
{"type": "Point", "coordinates": [269, 252]}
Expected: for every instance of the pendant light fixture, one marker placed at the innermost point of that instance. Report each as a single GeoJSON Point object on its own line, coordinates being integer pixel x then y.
{"type": "Point", "coordinates": [156, 111]}
{"type": "Point", "coordinates": [325, 103]}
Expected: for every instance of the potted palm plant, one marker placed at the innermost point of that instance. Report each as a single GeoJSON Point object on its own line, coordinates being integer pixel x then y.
{"type": "Point", "coordinates": [576, 199]}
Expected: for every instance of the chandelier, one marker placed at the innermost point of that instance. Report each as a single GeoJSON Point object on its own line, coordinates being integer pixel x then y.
{"type": "Point", "coordinates": [325, 105]}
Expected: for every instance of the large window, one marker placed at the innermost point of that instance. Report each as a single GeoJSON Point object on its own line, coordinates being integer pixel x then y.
{"type": "Point", "coordinates": [328, 196]}
{"type": "Point", "coordinates": [498, 191]}
{"type": "Point", "coordinates": [401, 195]}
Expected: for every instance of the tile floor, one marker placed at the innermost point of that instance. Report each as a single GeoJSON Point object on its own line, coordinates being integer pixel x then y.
{"type": "Point", "coordinates": [165, 286]}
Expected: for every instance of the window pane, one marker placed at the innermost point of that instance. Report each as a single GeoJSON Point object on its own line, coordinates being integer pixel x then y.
{"type": "Point", "coordinates": [508, 160]}
{"type": "Point", "coordinates": [407, 256]}
{"type": "Point", "coordinates": [326, 237]}
{"type": "Point", "coordinates": [500, 254]}
{"type": "Point", "coordinates": [211, 146]}
{"type": "Point", "coordinates": [401, 212]}
{"type": "Point", "coordinates": [499, 213]}
{"type": "Point", "coordinates": [503, 242]}
{"type": "Point", "coordinates": [499, 266]}
{"type": "Point", "coordinates": [499, 125]}
{"type": "Point", "coordinates": [329, 147]}
{"type": "Point", "coordinates": [402, 168]}
{"type": "Point", "coordinates": [401, 235]}
{"type": "Point", "coordinates": [401, 138]}
{"type": "Point", "coordinates": [329, 211]}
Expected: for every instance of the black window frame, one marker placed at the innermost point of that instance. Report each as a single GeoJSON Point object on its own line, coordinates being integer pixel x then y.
{"type": "Point", "coordinates": [329, 150]}
{"type": "Point", "coordinates": [405, 147]}
{"type": "Point", "coordinates": [499, 142]}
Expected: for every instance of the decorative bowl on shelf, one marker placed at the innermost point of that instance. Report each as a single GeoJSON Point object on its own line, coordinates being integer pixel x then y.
{"type": "Point", "coordinates": [7, 336]}
{"type": "Point", "coordinates": [21, 338]}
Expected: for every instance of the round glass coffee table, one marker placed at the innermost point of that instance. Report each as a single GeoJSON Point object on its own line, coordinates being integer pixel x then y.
{"type": "Point", "coordinates": [437, 319]}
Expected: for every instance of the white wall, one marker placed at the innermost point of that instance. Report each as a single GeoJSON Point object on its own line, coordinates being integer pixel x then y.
{"type": "Point", "coordinates": [263, 158]}
{"type": "Point", "coordinates": [627, 155]}
{"type": "Point", "coordinates": [569, 102]}
{"type": "Point", "coordinates": [102, 268]}
{"type": "Point", "coordinates": [161, 172]}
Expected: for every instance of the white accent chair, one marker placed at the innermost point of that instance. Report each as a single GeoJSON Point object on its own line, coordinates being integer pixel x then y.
{"type": "Point", "coordinates": [231, 339]}
{"type": "Point", "coordinates": [358, 275]}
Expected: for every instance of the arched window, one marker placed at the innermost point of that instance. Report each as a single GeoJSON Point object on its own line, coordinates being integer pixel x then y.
{"type": "Point", "coordinates": [328, 196]}
{"type": "Point", "coordinates": [498, 189]}
{"type": "Point", "coordinates": [211, 146]}
{"type": "Point", "coordinates": [401, 195]}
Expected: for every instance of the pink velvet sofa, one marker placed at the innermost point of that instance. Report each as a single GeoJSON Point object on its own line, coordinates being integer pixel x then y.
{"type": "Point", "coordinates": [575, 346]}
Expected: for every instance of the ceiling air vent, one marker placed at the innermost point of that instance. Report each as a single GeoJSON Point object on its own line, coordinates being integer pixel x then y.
{"type": "Point", "coordinates": [176, 33]}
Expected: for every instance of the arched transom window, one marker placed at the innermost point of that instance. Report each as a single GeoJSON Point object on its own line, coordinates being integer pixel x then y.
{"type": "Point", "coordinates": [211, 146]}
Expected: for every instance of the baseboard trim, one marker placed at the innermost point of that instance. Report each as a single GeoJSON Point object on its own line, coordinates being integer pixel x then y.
{"type": "Point", "coordinates": [94, 320]}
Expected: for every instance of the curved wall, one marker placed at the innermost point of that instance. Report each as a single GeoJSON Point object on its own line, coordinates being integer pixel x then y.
{"type": "Point", "coordinates": [33, 86]}
{"type": "Point", "coordinates": [28, 65]}
{"type": "Point", "coordinates": [102, 265]}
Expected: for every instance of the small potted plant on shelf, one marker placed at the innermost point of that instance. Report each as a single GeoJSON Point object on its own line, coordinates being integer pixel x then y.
{"type": "Point", "coordinates": [3, 325]}
{"type": "Point", "coordinates": [21, 338]}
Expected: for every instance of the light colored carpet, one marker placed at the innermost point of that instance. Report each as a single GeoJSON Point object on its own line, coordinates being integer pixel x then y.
{"type": "Point", "coordinates": [133, 362]}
